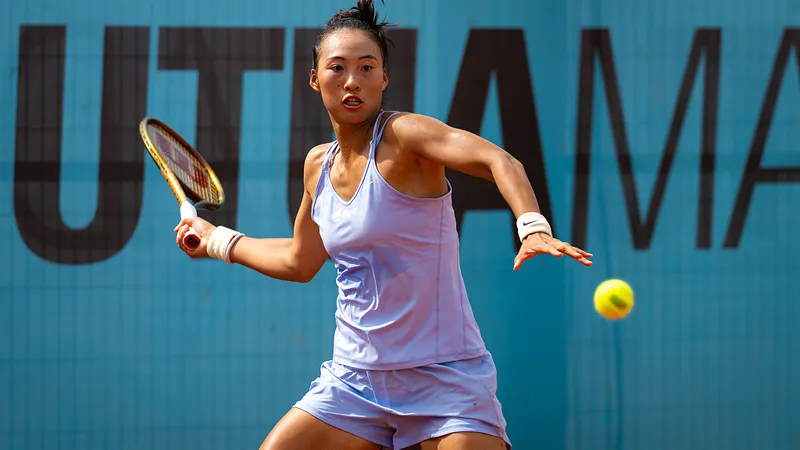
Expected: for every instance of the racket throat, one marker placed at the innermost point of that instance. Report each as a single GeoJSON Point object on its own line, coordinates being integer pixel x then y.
{"type": "Point", "coordinates": [188, 210]}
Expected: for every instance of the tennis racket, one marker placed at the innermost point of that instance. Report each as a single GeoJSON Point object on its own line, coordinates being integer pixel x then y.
{"type": "Point", "coordinates": [192, 180]}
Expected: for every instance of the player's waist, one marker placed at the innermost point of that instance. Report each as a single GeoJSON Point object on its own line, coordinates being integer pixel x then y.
{"type": "Point", "coordinates": [399, 286]}
{"type": "Point", "coordinates": [393, 363]}
{"type": "Point", "coordinates": [424, 337]}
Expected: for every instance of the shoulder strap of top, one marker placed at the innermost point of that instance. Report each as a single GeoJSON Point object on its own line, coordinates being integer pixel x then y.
{"type": "Point", "coordinates": [376, 138]}
{"type": "Point", "coordinates": [323, 173]}
{"type": "Point", "coordinates": [326, 162]}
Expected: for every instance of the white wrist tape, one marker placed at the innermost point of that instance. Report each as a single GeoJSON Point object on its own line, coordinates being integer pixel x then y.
{"type": "Point", "coordinates": [220, 243]}
{"type": "Point", "coordinates": [532, 222]}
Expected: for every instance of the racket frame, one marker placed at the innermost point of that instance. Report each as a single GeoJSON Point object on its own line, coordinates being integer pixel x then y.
{"type": "Point", "coordinates": [174, 183]}
{"type": "Point", "coordinates": [188, 205]}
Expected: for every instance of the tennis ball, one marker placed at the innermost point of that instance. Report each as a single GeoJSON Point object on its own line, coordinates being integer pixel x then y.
{"type": "Point", "coordinates": [613, 299]}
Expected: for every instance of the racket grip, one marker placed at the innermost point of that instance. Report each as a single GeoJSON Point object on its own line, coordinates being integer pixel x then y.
{"type": "Point", "coordinates": [191, 239]}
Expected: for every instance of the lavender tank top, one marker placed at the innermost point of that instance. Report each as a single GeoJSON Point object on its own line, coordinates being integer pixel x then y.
{"type": "Point", "coordinates": [402, 301]}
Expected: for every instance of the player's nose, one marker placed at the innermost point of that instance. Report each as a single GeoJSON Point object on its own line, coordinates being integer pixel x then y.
{"type": "Point", "coordinates": [352, 84]}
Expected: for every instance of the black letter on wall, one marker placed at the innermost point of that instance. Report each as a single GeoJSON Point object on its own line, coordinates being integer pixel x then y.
{"type": "Point", "coordinates": [520, 125]}
{"type": "Point", "coordinates": [754, 172]}
{"type": "Point", "coordinates": [221, 56]}
{"type": "Point", "coordinates": [37, 165]}
{"type": "Point", "coordinates": [706, 41]}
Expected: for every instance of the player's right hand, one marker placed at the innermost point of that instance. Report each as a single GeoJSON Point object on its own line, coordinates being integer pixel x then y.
{"type": "Point", "coordinates": [202, 228]}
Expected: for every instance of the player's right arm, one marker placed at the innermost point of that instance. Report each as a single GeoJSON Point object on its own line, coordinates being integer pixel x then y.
{"type": "Point", "coordinates": [298, 258]}
{"type": "Point", "coordinates": [294, 259]}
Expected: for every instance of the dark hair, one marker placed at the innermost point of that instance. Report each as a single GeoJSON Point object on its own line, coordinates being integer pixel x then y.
{"type": "Point", "coordinates": [362, 17]}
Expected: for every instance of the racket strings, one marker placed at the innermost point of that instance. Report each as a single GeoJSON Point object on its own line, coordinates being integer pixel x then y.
{"type": "Point", "coordinates": [185, 166]}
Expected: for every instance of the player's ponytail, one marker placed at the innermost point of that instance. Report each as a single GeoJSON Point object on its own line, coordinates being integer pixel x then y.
{"type": "Point", "coordinates": [363, 16]}
{"type": "Point", "coordinates": [365, 12]}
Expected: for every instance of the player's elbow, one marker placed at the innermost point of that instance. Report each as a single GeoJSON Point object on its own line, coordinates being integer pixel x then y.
{"type": "Point", "coordinates": [304, 276]}
{"type": "Point", "coordinates": [514, 162]}
{"type": "Point", "coordinates": [503, 164]}
{"type": "Point", "coordinates": [303, 270]}
{"type": "Point", "coordinates": [297, 273]}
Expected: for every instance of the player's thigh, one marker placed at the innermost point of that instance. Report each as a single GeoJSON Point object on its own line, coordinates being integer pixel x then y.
{"type": "Point", "coordinates": [299, 430]}
{"type": "Point", "coordinates": [464, 441]}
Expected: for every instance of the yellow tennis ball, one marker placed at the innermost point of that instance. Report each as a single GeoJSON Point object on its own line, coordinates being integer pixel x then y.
{"type": "Point", "coordinates": [613, 299]}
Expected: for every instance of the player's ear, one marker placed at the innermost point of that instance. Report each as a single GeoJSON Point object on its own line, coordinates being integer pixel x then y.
{"type": "Point", "coordinates": [385, 78]}
{"type": "Point", "coordinates": [313, 81]}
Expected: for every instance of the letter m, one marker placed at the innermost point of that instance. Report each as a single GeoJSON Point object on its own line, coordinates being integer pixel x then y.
{"type": "Point", "coordinates": [596, 42]}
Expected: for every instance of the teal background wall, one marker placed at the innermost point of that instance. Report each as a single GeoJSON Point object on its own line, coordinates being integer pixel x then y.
{"type": "Point", "coordinates": [139, 348]}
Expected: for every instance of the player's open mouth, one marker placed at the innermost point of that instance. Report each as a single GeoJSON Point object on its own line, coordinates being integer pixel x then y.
{"type": "Point", "coordinates": [352, 102]}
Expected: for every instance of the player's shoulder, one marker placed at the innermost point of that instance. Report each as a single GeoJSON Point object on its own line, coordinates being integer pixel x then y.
{"type": "Point", "coordinates": [316, 155]}
{"type": "Point", "coordinates": [412, 127]}
{"type": "Point", "coordinates": [314, 158]}
{"type": "Point", "coordinates": [408, 121]}
{"type": "Point", "coordinates": [403, 119]}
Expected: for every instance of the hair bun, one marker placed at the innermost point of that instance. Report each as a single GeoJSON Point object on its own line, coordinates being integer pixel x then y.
{"type": "Point", "coordinates": [364, 11]}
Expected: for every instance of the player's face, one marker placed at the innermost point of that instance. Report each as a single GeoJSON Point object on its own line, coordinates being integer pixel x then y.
{"type": "Point", "coordinates": [350, 76]}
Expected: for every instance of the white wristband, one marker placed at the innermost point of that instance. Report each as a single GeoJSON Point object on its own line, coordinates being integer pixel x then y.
{"type": "Point", "coordinates": [532, 222]}
{"type": "Point", "coordinates": [220, 243]}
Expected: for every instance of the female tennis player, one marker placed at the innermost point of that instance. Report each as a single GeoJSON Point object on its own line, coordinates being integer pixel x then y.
{"type": "Point", "coordinates": [409, 365]}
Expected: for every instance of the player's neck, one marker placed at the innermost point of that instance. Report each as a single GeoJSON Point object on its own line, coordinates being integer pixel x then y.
{"type": "Point", "coordinates": [354, 138]}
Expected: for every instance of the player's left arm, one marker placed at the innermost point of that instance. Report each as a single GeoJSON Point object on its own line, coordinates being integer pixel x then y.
{"type": "Point", "coordinates": [466, 152]}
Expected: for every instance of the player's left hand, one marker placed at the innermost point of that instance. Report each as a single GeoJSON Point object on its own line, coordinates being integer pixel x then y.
{"type": "Point", "coordinates": [543, 244]}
